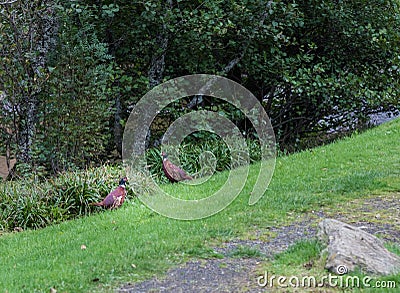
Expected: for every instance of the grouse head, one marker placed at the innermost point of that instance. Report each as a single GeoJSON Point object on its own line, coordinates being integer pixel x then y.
{"type": "Point", "coordinates": [123, 181]}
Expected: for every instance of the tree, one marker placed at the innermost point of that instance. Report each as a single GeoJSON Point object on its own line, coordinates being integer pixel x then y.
{"type": "Point", "coordinates": [315, 65]}
{"type": "Point", "coordinates": [26, 36]}
{"type": "Point", "coordinates": [56, 77]}
{"type": "Point", "coordinates": [70, 72]}
{"type": "Point", "coordinates": [78, 105]}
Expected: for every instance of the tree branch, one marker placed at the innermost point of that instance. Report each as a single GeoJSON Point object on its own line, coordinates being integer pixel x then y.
{"type": "Point", "coordinates": [231, 64]}
{"type": "Point", "coordinates": [8, 2]}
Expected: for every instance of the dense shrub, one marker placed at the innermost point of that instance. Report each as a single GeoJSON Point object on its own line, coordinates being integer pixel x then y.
{"type": "Point", "coordinates": [191, 154]}
{"type": "Point", "coordinates": [31, 204]}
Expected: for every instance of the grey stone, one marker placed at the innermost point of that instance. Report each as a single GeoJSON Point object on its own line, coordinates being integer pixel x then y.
{"type": "Point", "coordinates": [350, 247]}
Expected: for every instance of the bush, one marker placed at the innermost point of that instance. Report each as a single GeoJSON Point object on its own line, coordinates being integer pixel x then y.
{"type": "Point", "coordinates": [32, 204]}
{"type": "Point", "coordinates": [191, 157]}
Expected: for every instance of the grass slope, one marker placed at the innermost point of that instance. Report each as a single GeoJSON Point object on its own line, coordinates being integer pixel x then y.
{"type": "Point", "coordinates": [98, 252]}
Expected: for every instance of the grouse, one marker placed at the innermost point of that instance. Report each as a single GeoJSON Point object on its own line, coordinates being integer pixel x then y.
{"type": "Point", "coordinates": [115, 198]}
{"type": "Point", "coordinates": [173, 172]}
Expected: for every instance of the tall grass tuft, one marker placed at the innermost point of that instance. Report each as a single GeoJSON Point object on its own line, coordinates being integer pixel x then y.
{"type": "Point", "coordinates": [191, 154]}
{"type": "Point", "coordinates": [31, 204]}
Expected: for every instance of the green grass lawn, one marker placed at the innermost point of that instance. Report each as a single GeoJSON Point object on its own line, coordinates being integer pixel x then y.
{"type": "Point", "coordinates": [104, 250]}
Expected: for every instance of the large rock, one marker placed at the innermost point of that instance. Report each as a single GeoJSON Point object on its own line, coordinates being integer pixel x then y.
{"type": "Point", "coordinates": [350, 247]}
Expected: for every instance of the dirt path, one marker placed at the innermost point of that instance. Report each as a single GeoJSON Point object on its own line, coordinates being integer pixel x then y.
{"type": "Point", "coordinates": [377, 215]}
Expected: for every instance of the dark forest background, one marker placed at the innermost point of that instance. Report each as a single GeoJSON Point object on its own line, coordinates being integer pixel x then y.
{"type": "Point", "coordinates": [71, 71]}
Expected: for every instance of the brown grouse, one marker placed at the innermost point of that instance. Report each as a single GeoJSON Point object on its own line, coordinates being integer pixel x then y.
{"type": "Point", "coordinates": [115, 198]}
{"type": "Point", "coordinates": [173, 172]}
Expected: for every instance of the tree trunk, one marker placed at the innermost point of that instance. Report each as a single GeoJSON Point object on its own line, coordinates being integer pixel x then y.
{"type": "Point", "coordinates": [27, 130]}
{"type": "Point", "coordinates": [118, 130]}
{"type": "Point", "coordinates": [157, 66]}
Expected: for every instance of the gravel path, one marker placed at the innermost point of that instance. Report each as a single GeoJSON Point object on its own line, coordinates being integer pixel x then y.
{"type": "Point", "coordinates": [378, 215]}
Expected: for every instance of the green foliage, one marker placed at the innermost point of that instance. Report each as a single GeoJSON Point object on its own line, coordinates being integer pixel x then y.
{"type": "Point", "coordinates": [192, 151]}
{"type": "Point", "coordinates": [32, 204]}
{"type": "Point", "coordinates": [313, 62]}
{"type": "Point", "coordinates": [243, 251]}
{"type": "Point", "coordinates": [77, 102]}
{"type": "Point", "coordinates": [25, 29]}
{"type": "Point", "coordinates": [316, 66]}
{"type": "Point", "coordinates": [299, 253]}
{"type": "Point", "coordinates": [69, 84]}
